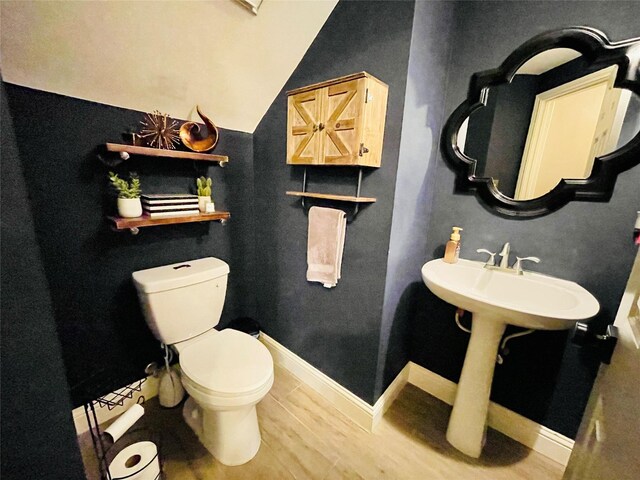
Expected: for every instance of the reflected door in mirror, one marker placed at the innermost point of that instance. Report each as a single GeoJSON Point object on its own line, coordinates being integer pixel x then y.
{"type": "Point", "coordinates": [570, 125]}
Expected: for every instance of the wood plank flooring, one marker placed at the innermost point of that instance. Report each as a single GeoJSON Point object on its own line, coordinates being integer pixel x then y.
{"type": "Point", "coordinates": [304, 437]}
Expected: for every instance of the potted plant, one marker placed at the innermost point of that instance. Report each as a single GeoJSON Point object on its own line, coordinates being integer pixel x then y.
{"type": "Point", "coordinates": [129, 205]}
{"type": "Point", "coordinates": [204, 194]}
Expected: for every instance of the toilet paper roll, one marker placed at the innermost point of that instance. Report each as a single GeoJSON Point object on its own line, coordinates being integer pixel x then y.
{"type": "Point", "coordinates": [124, 422]}
{"type": "Point", "coordinates": [138, 461]}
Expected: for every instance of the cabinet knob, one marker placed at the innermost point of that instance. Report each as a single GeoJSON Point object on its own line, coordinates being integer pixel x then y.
{"type": "Point", "coordinates": [315, 127]}
{"type": "Point", "coordinates": [321, 126]}
{"type": "Point", "coordinates": [338, 125]}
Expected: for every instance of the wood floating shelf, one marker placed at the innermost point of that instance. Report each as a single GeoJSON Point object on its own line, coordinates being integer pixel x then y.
{"type": "Point", "coordinates": [134, 224]}
{"type": "Point", "coordinates": [326, 196]}
{"type": "Point", "coordinates": [160, 152]}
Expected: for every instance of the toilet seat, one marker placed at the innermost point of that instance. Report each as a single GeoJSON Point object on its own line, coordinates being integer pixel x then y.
{"type": "Point", "coordinates": [227, 364]}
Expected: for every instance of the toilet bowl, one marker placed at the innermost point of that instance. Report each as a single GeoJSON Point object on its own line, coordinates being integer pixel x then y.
{"type": "Point", "coordinates": [226, 373]}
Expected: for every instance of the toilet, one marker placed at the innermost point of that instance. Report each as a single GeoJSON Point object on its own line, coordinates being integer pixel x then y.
{"type": "Point", "coordinates": [226, 373]}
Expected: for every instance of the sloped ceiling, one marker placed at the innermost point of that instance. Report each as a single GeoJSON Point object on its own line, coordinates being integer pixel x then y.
{"type": "Point", "coordinates": [168, 56]}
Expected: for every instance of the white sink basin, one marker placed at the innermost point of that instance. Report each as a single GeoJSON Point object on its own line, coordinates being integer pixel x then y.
{"type": "Point", "coordinates": [497, 298]}
{"type": "Point", "coordinates": [530, 300]}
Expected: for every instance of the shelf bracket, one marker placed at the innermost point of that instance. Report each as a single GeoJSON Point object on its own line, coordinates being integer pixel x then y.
{"type": "Point", "coordinates": [304, 186]}
{"type": "Point", "coordinates": [111, 160]}
{"type": "Point", "coordinates": [356, 207]}
{"type": "Point", "coordinates": [132, 230]}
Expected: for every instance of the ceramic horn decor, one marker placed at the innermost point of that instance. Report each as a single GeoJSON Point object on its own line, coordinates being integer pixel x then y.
{"type": "Point", "coordinates": [190, 130]}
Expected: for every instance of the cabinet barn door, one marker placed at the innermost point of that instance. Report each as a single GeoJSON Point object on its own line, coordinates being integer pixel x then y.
{"type": "Point", "coordinates": [342, 113]}
{"type": "Point", "coordinates": [303, 124]}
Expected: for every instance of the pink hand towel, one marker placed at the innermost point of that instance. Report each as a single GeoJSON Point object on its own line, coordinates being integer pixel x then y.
{"type": "Point", "coordinates": [325, 244]}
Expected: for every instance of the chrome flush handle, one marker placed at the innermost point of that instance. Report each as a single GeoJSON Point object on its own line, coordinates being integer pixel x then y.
{"type": "Point", "coordinates": [491, 261]}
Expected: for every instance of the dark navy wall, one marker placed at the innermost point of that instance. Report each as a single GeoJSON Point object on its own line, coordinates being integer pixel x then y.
{"type": "Point", "coordinates": [105, 341]}
{"type": "Point", "coordinates": [421, 124]}
{"type": "Point", "coordinates": [544, 378]}
{"type": "Point", "coordinates": [38, 438]}
{"type": "Point", "coordinates": [335, 330]}
{"type": "Point", "coordinates": [509, 131]}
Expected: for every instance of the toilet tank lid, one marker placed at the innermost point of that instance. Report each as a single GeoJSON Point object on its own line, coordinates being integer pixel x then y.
{"type": "Point", "coordinates": [178, 275]}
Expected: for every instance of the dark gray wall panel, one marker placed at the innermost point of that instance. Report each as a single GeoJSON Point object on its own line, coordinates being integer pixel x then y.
{"type": "Point", "coordinates": [543, 378]}
{"type": "Point", "coordinates": [38, 437]}
{"type": "Point", "coordinates": [509, 133]}
{"type": "Point", "coordinates": [423, 118]}
{"type": "Point", "coordinates": [335, 330]}
{"type": "Point", "coordinates": [105, 341]}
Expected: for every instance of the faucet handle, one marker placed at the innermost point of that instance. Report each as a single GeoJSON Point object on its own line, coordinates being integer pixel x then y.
{"type": "Point", "coordinates": [518, 265]}
{"type": "Point", "coordinates": [491, 261]}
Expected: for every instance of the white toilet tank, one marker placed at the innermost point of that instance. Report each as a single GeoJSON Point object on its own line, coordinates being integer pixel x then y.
{"type": "Point", "coordinates": [182, 300]}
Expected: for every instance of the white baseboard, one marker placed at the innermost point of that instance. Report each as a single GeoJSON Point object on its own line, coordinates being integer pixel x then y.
{"type": "Point", "coordinates": [390, 394]}
{"type": "Point", "coordinates": [103, 414]}
{"type": "Point", "coordinates": [360, 412]}
{"type": "Point", "coordinates": [342, 399]}
{"type": "Point", "coordinates": [527, 432]}
{"type": "Point", "coordinates": [432, 383]}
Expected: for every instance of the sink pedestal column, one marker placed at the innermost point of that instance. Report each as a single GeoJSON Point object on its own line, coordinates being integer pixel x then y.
{"type": "Point", "coordinates": [468, 420]}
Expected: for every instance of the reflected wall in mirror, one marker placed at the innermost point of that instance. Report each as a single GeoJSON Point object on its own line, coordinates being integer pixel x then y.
{"type": "Point", "coordinates": [535, 132]}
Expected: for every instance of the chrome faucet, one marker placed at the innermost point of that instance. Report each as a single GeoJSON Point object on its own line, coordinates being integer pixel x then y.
{"type": "Point", "coordinates": [504, 263]}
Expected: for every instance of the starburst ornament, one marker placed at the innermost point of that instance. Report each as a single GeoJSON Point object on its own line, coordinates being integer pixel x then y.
{"type": "Point", "coordinates": [159, 130]}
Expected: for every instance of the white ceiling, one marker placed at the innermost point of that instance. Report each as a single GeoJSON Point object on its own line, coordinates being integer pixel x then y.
{"type": "Point", "coordinates": [167, 55]}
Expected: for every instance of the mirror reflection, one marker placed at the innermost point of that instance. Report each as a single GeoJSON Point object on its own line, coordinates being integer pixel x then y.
{"type": "Point", "coordinates": [549, 123]}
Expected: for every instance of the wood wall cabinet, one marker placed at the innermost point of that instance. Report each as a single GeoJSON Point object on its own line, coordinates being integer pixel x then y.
{"type": "Point", "coordinates": [337, 122]}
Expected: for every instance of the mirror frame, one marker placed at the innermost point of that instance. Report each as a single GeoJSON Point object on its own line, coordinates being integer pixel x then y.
{"type": "Point", "coordinates": [597, 51]}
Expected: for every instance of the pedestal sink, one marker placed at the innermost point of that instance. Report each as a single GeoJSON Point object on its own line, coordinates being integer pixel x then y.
{"type": "Point", "coordinates": [497, 298]}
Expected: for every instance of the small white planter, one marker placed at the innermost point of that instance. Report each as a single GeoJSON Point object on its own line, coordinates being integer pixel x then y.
{"type": "Point", "coordinates": [202, 203]}
{"type": "Point", "coordinates": [129, 207]}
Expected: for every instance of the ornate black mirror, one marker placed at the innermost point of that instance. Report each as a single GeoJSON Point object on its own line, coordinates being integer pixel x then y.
{"type": "Point", "coordinates": [556, 122]}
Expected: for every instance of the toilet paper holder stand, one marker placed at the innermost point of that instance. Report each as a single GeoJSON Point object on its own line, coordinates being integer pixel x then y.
{"type": "Point", "coordinates": [103, 448]}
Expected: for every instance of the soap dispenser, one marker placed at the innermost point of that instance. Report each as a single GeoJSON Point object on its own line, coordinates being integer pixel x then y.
{"type": "Point", "coordinates": [452, 250]}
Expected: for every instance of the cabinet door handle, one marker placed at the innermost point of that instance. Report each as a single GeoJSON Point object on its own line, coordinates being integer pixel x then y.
{"type": "Point", "coordinates": [315, 127]}
{"type": "Point", "coordinates": [321, 126]}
